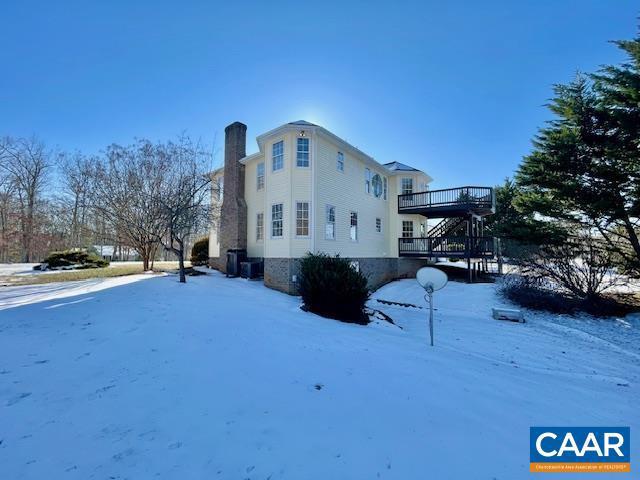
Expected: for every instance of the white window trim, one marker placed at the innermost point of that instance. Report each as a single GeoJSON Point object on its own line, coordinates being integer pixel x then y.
{"type": "Point", "coordinates": [271, 222]}
{"type": "Point", "coordinates": [338, 163]}
{"type": "Point", "coordinates": [309, 152]}
{"type": "Point", "coordinates": [326, 208]}
{"type": "Point", "coordinates": [367, 181]}
{"type": "Point", "coordinates": [413, 230]}
{"type": "Point", "coordinates": [308, 218]}
{"type": "Point", "coordinates": [258, 187]}
{"type": "Point", "coordinates": [402, 186]}
{"type": "Point", "coordinates": [357, 227]}
{"type": "Point", "coordinates": [283, 156]}
{"type": "Point", "coordinates": [259, 240]}
{"type": "Point", "coordinates": [373, 189]}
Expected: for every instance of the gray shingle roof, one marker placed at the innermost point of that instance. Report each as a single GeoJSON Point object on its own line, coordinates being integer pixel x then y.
{"type": "Point", "coordinates": [303, 123]}
{"type": "Point", "coordinates": [400, 166]}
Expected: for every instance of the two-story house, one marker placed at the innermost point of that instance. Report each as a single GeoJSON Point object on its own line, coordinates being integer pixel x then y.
{"type": "Point", "coordinates": [307, 190]}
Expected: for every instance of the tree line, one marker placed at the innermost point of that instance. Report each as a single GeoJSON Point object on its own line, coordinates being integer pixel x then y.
{"type": "Point", "coordinates": [572, 210]}
{"type": "Point", "coordinates": [147, 197]}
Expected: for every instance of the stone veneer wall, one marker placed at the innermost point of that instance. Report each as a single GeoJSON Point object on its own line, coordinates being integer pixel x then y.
{"type": "Point", "coordinates": [278, 272]}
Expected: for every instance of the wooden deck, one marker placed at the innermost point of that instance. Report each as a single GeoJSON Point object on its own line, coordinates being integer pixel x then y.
{"type": "Point", "coordinates": [450, 202]}
{"type": "Point", "coordinates": [450, 247]}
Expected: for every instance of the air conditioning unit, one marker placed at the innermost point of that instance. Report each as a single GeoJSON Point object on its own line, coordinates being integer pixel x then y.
{"type": "Point", "coordinates": [250, 269]}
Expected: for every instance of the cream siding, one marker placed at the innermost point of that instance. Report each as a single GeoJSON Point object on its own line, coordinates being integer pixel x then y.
{"type": "Point", "coordinates": [255, 205]}
{"type": "Point", "coordinates": [322, 184]}
{"type": "Point", "coordinates": [346, 192]}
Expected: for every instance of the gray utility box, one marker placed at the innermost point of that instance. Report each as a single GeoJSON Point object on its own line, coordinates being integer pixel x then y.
{"type": "Point", "coordinates": [251, 269]}
{"type": "Point", "coordinates": [235, 256]}
{"type": "Point", "coordinates": [508, 314]}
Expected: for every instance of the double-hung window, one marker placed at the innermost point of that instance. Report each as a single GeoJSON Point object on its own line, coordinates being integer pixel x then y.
{"type": "Point", "coordinates": [407, 229]}
{"type": "Point", "coordinates": [259, 226]}
{"type": "Point", "coordinates": [260, 176]}
{"type": "Point", "coordinates": [277, 156]}
{"type": "Point", "coordinates": [302, 152]}
{"type": "Point", "coordinates": [330, 223]}
{"type": "Point", "coordinates": [407, 185]}
{"type": "Point", "coordinates": [302, 219]}
{"type": "Point", "coordinates": [367, 180]}
{"type": "Point", "coordinates": [340, 162]}
{"type": "Point", "coordinates": [353, 229]}
{"type": "Point", "coordinates": [276, 220]}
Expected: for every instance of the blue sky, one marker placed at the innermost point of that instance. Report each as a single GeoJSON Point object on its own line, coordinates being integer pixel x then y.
{"type": "Point", "coordinates": [456, 89]}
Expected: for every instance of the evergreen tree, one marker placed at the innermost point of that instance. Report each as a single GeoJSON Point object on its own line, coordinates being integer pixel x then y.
{"type": "Point", "coordinates": [584, 170]}
{"type": "Point", "coordinates": [513, 224]}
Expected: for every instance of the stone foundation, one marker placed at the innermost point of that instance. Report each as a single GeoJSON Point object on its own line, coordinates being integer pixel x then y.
{"type": "Point", "coordinates": [279, 272]}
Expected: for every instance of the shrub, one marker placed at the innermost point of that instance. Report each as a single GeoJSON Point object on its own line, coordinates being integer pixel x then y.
{"type": "Point", "coordinates": [581, 266]}
{"type": "Point", "coordinates": [540, 294]}
{"type": "Point", "coordinates": [75, 259]}
{"type": "Point", "coordinates": [533, 293]}
{"type": "Point", "coordinates": [331, 287]}
{"type": "Point", "coordinates": [200, 252]}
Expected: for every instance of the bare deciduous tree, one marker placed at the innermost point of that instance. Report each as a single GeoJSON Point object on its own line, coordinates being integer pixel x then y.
{"type": "Point", "coordinates": [76, 171]}
{"type": "Point", "coordinates": [127, 185]}
{"type": "Point", "coordinates": [184, 196]}
{"type": "Point", "coordinates": [26, 162]}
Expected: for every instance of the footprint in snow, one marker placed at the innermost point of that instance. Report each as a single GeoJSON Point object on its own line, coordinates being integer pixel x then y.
{"type": "Point", "coordinates": [17, 398]}
{"type": "Point", "coordinates": [175, 445]}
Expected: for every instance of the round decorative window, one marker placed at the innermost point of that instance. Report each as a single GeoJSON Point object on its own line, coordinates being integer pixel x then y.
{"type": "Point", "coordinates": [376, 183]}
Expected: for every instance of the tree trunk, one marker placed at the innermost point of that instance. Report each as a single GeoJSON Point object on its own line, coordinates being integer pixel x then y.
{"type": "Point", "coordinates": [145, 261]}
{"type": "Point", "coordinates": [180, 253]}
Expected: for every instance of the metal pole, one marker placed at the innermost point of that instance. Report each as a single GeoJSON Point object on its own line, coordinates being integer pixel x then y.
{"type": "Point", "coordinates": [430, 295]}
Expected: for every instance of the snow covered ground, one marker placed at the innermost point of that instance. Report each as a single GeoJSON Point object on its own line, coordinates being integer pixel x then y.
{"type": "Point", "coordinates": [23, 295]}
{"type": "Point", "coordinates": [223, 378]}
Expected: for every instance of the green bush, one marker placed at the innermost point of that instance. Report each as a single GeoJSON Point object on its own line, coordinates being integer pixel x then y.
{"type": "Point", "coordinates": [74, 258]}
{"type": "Point", "coordinates": [331, 287]}
{"type": "Point", "coordinates": [200, 252]}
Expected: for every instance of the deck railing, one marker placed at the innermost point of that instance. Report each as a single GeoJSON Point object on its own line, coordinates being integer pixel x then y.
{"type": "Point", "coordinates": [474, 247]}
{"type": "Point", "coordinates": [461, 197]}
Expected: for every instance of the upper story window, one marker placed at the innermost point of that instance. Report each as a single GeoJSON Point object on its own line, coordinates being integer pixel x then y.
{"type": "Point", "coordinates": [376, 185]}
{"type": "Point", "coordinates": [353, 228]}
{"type": "Point", "coordinates": [276, 220]}
{"type": "Point", "coordinates": [330, 223]}
{"type": "Point", "coordinates": [367, 180]}
{"type": "Point", "coordinates": [302, 152]}
{"type": "Point", "coordinates": [259, 226]}
{"type": "Point", "coordinates": [302, 219]}
{"type": "Point", "coordinates": [407, 185]}
{"type": "Point", "coordinates": [378, 225]}
{"type": "Point", "coordinates": [384, 188]}
{"type": "Point", "coordinates": [277, 156]}
{"type": "Point", "coordinates": [407, 229]}
{"type": "Point", "coordinates": [340, 162]}
{"type": "Point", "coordinates": [260, 176]}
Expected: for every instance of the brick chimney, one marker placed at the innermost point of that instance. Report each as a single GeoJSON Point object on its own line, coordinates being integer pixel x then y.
{"type": "Point", "coordinates": [233, 215]}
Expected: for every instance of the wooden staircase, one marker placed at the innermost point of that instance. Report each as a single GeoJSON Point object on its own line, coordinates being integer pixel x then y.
{"type": "Point", "coordinates": [460, 232]}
